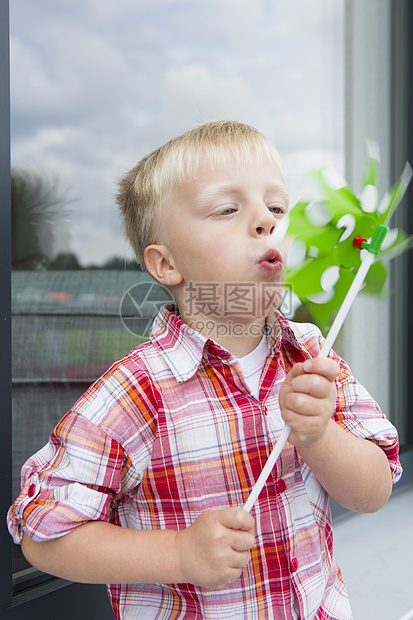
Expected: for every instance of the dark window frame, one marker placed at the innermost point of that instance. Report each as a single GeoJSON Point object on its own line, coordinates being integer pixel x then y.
{"type": "Point", "coordinates": [402, 268]}
{"type": "Point", "coordinates": [5, 306]}
{"type": "Point", "coordinates": [58, 598]}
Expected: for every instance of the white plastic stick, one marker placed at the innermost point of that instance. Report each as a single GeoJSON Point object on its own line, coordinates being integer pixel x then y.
{"type": "Point", "coordinates": [347, 303]}
{"type": "Point", "coordinates": [325, 350]}
{"type": "Point", "coordinates": [267, 468]}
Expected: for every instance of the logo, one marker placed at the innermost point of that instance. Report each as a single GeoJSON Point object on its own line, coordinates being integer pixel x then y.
{"type": "Point", "coordinates": [140, 304]}
{"type": "Point", "coordinates": [204, 303]}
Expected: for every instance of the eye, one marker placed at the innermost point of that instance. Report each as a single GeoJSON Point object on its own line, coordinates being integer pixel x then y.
{"type": "Point", "coordinates": [276, 210]}
{"type": "Point", "coordinates": [226, 211]}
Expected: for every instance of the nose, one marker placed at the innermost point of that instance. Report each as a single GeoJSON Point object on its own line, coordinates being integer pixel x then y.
{"type": "Point", "coordinates": [264, 222]}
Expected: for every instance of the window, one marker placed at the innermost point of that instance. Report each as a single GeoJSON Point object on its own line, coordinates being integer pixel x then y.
{"type": "Point", "coordinates": [378, 103]}
{"type": "Point", "coordinates": [402, 137]}
{"type": "Point", "coordinates": [82, 113]}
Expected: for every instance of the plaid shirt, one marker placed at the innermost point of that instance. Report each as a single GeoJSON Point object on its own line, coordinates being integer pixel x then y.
{"type": "Point", "coordinates": [172, 430]}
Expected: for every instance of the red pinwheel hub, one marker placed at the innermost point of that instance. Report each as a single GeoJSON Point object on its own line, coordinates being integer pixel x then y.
{"type": "Point", "coordinates": [357, 241]}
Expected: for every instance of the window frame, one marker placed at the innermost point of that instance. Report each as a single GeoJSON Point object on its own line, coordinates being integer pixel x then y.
{"type": "Point", "coordinates": [379, 97]}
{"type": "Point", "coordinates": [402, 269]}
{"type": "Point", "coordinates": [58, 596]}
{"type": "Point", "coordinates": [5, 305]}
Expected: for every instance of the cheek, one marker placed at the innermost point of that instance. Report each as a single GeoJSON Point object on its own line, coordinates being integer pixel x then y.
{"type": "Point", "coordinates": [226, 246]}
{"type": "Point", "coordinates": [201, 261]}
{"type": "Point", "coordinates": [223, 262]}
{"type": "Point", "coordinates": [209, 257]}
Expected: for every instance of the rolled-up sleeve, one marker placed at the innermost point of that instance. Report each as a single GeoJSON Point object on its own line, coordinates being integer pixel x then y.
{"type": "Point", "coordinates": [73, 479]}
{"type": "Point", "coordinates": [358, 413]}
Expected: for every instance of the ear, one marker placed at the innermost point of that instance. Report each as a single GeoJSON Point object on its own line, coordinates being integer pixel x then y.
{"type": "Point", "coordinates": [159, 263]}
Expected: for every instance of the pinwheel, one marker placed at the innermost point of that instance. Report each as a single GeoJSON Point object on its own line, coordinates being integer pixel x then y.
{"type": "Point", "coordinates": [330, 237]}
{"type": "Point", "coordinates": [323, 259]}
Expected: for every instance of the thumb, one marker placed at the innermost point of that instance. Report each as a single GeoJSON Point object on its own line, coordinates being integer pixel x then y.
{"type": "Point", "coordinates": [236, 518]}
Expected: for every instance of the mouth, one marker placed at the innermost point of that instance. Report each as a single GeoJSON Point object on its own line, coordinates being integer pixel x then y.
{"type": "Point", "coordinates": [271, 261]}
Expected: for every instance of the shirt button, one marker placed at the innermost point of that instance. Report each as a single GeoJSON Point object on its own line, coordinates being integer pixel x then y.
{"type": "Point", "coordinates": [293, 565]}
{"type": "Point", "coordinates": [31, 490]}
{"type": "Point", "coordinates": [281, 486]}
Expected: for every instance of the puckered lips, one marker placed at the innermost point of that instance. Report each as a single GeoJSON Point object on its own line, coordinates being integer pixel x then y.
{"type": "Point", "coordinates": [271, 261]}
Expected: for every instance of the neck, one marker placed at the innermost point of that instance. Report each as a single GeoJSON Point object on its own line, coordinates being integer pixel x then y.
{"type": "Point", "coordinates": [239, 337]}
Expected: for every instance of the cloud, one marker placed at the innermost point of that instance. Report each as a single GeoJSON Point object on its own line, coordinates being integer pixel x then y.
{"type": "Point", "coordinates": [96, 84]}
{"type": "Point", "coordinates": [194, 90]}
{"type": "Point", "coordinates": [83, 80]}
{"type": "Point", "coordinates": [94, 243]}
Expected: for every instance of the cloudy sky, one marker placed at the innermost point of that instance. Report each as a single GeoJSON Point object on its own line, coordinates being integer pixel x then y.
{"type": "Point", "coordinates": [97, 84]}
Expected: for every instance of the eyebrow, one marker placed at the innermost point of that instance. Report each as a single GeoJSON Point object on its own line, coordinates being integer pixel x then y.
{"type": "Point", "coordinates": [229, 188]}
{"type": "Point", "coordinates": [282, 191]}
{"type": "Point", "coordinates": [214, 192]}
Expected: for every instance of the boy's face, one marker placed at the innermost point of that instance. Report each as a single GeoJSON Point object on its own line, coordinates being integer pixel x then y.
{"type": "Point", "coordinates": [217, 229]}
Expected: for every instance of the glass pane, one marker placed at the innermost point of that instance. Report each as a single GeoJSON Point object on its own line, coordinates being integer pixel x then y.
{"type": "Point", "coordinates": [68, 327]}
{"type": "Point", "coordinates": [95, 86]}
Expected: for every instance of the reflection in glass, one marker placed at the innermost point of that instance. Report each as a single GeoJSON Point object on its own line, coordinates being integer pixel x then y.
{"type": "Point", "coordinates": [94, 88]}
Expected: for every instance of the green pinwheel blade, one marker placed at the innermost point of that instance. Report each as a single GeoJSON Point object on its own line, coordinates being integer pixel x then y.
{"type": "Point", "coordinates": [376, 279]}
{"type": "Point", "coordinates": [348, 255]}
{"type": "Point", "coordinates": [307, 278]}
{"type": "Point", "coordinates": [314, 236]}
{"type": "Point", "coordinates": [371, 174]}
{"type": "Point", "coordinates": [324, 313]}
{"type": "Point", "coordinates": [402, 243]}
{"type": "Point", "coordinates": [393, 197]}
{"type": "Point", "coordinates": [329, 240]}
{"type": "Point", "coordinates": [339, 201]}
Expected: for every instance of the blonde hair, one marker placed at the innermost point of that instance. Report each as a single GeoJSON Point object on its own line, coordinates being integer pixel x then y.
{"type": "Point", "coordinates": [142, 189]}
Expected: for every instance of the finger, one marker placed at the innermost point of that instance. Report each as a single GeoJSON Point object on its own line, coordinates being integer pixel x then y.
{"type": "Point", "coordinates": [298, 403]}
{"type": "Point", "coordinates": [239, 560]}
{"type": "Point", "coordinates": [232, 575]}
{"type": "Point", "coordinates": [296, 371]}
{"type": "Point", "coordinates": [323, 366]}
{"type": "Point", "coordinates": [242, 541]}
{"type": "Point", "coordinates": [312, 384]}
{"type": "Point", "coordinates": [236, 518]}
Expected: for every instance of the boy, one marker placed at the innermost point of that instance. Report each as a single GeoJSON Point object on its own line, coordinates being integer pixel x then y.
{"type": "Point", "coordinates": [170, 441]}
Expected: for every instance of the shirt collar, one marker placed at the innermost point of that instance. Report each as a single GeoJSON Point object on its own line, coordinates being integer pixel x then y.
{"type": "Point", "coordinates": [180, 346]}
{"type": "Point", "coordinates": [184, 348]}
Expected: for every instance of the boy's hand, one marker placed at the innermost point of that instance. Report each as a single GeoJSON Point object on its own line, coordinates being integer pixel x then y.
{"type": "Point", "coordinates": [307, 399]}
{"type": "Point", "coordinates": [215, 548]}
